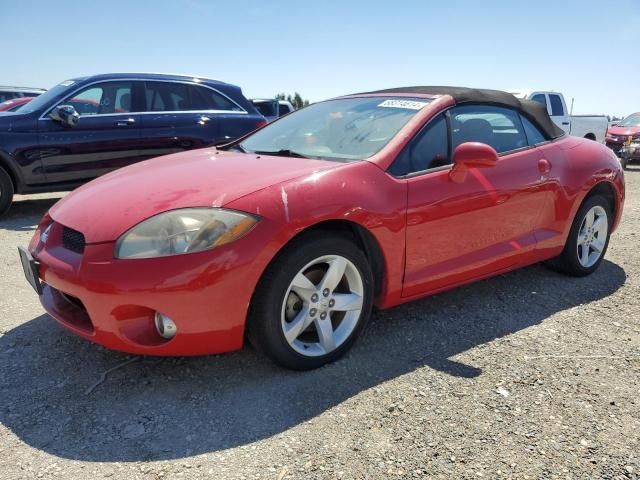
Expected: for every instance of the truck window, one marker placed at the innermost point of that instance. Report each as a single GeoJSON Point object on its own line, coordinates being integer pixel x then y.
{"type": "Point", "coordinates": [540, 98]}
{"type": "Point", "coordinates": [557, 110]}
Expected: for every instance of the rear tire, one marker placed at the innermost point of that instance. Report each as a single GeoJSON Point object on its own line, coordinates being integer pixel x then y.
{"type": "Point", "coordinates": [588, 239]}
{"type": "Point", "coordinates": [6, 191]}
{"type": "Point", "coordinates": [312, 302]}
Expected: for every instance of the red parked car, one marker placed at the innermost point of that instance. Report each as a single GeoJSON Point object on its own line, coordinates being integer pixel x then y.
{"type": "Point", "coordinates": [291, 234]}
{"type": "Point", "coordinates": [624, 138]}
{"type": "Point", "coordinates": [14, 104]}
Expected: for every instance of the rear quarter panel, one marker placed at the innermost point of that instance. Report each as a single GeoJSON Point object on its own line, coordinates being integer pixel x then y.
{"type": "Point", "coordinates": [578, 165]}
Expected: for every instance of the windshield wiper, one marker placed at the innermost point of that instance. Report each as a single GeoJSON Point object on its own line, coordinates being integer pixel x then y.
{"type": "Point", "coordinates": [281, 153]}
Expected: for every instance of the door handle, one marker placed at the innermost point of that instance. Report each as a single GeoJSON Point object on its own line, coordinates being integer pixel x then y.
{"type": "Point", "coordinates": [125, 123]}
{"type": "Point", "coordinates": [203, 120]}
{"type": "Point", "coordinates": [544, 166]}
{"type": "Point", "coordinates": [565, 123]}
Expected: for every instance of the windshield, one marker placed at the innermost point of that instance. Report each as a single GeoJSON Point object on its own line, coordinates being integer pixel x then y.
{"type": "Point", "coordinates": [630, 121]}
{"type": "Point", "coordinates": [44, 99]}
{"type": "Point", "coordinates": [345, 129]}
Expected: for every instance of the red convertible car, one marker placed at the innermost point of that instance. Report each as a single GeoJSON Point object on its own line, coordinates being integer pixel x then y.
{"type": "Point", "coordinates": [290, 235]}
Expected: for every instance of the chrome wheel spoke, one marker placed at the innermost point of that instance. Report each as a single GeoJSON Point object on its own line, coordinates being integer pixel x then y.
{"type": "Point", "coordinates": [334, 274]}
{"type": "Point", "coordinates": [584, 256]}
{"type": "Point", "coordinates": [600, 224]}
{"type": "Point", "coordinates": [303, 287]}
{"type": "Point", "coordinates": [590, 218]}
{"type": "Point", "coordinates": [298, 325]}
{"type": "Point", "coordinates": [325, 334]}
{"type": "Point", "coordinates": [345, 302]}
{"type": "Point", "coordinates": [597, 245]}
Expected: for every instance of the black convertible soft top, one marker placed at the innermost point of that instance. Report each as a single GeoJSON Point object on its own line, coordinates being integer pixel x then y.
{"type": "Point", "coordinates": [534, 111]}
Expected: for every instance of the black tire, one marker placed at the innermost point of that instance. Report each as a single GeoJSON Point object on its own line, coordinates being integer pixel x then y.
{"type": "Point", "coordinates": [264, 327]}
{"type": "Point", "coordinates": [623, 162]}
{"type": "Point", "coordinates": [568, 262]}
{"type": "Point", "coordinates": [6, 192]}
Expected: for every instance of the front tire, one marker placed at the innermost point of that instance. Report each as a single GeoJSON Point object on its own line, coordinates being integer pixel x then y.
{"type": "Point", "coordinates": [6, 192]}
{"type": "Point", "coordinates": [588, 239]}
{"type": "Point", "coordinates": [312, 302]}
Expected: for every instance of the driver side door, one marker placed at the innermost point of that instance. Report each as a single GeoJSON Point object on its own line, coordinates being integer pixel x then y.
{"type": "Point", "coordinates": [461, 231]}
{"type": "Point", "coordinates": [106, 137]}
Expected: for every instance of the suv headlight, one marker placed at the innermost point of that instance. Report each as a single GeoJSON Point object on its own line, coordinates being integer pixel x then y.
{"type": "Point", "coordinates": [183, 231]}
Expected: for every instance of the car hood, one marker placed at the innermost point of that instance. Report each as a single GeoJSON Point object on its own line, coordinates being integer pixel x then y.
{"type": "Point", "coordinates": [110, 205]}
{"type": "Point", "coordinates": [623, 130]}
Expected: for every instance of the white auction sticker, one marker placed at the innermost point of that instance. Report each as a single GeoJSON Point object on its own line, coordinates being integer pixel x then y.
{"type": "Point", "coordinates": [409, 104]}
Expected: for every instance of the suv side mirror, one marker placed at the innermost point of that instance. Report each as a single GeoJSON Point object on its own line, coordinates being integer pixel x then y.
{"type": "Point", "coordinates": [471, 155]}
{"type": "Point", "coordinates": [66, 115]}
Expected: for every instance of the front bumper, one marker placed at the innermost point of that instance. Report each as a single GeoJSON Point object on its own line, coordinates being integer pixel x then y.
{"type": "Point", "coordinates": [112, 301]}
{"type": "Point", "coordinates": [631, 151]}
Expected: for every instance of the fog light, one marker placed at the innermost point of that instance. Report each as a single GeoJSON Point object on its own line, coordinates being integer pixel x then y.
{"type": "Point", "coordinates": [165, 326]}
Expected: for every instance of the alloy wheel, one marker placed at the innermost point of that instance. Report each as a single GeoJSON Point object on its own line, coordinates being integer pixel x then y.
{"type": "Point", "coordinates": [322, 305]}
{"type": "Point", "coordinates": [592, 236]}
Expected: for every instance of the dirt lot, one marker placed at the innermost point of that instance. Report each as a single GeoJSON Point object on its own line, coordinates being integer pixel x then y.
{"type": "Point", "coordinates": [528, 375]}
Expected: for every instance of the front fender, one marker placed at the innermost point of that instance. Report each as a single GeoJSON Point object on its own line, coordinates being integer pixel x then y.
{"type": "Point", "coordinates": [360, 193]}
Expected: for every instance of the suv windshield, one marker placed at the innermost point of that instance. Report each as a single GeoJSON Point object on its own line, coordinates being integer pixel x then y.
{"type": "Point", "coordinates": [630, 121]}
{"type": "Point", "coordinates": [44, 99]}
{"type": "Point", "coordinates": [345, 130]}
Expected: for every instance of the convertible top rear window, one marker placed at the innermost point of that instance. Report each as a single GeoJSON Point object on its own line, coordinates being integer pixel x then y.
{"type": "Point", "coordinates": [346, 129]}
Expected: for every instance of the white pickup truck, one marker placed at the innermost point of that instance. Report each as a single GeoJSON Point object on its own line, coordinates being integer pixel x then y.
{"type": "Point", "coordinates": [593, 127]}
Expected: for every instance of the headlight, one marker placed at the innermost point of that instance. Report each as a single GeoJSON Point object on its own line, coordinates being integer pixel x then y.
{"type": "Point", "coordinates": [183, 231]}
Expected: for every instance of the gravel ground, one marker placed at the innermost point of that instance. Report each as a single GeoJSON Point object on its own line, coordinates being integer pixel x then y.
{"type": "Point", "coordinates": [527, 375]}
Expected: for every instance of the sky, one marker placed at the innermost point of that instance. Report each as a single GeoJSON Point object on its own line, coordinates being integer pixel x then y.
{"type": "Point", "coordinates": [584, 49]}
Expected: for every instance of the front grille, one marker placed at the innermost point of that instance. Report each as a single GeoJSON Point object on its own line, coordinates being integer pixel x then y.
{"type": "Point", "coordinates": [73, 240]}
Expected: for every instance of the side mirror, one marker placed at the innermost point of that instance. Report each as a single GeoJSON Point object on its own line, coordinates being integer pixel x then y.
{"type": "Point", "coordinates": [66, 115]}
{"type": "Point", "coordinates": [471, 155]}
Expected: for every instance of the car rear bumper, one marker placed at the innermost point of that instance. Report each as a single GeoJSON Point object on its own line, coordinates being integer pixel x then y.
{"type": "Point", "coordinates": [113, 302]}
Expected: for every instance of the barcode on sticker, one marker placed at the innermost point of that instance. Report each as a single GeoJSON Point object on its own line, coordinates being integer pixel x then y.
{"type": "Point", "coordinates": [409, 104]}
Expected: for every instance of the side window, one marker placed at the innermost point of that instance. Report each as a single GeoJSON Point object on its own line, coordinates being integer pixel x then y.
{"type": "Point", "coordinates": [534, 136]}
{"type": "Point", "coordinates": [428, 149]}
{"type": "Point", "coordinates": [283, 110]}
{"type": "Point", "coordinates": [166, 97]}
{"type": "Point", "coordinates": [4, 96]}
{"type": "Point", "coordinates": [499, 127]}
{"type": "Point", "coordinates": [203, 98]}
{"type": "Point", "coordinates": [557, 109]}
{"type": "Point", "coordinates": [540, 98]}
{"type": "Point", "coordinates": [101, 99]}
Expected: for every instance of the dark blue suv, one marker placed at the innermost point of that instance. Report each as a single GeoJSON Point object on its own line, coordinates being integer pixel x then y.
{"type": "Point", "coordinates": [85, 127]}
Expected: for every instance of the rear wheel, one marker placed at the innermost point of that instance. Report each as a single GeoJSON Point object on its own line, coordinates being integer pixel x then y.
{"type": "Point", "coordinates": [6, 191]}
{"type": "Point", "coordinates": [588, 238]}
{"type": "Point", "coordinates": [312, 302]}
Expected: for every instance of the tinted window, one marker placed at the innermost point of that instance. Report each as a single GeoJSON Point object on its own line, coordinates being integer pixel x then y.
{"type": "Point", "coordinates": [4, 96]}
{"type": "Point", "coordinates": [266, 108]}
{"type": "Point", "coordinates": [540, 98]}
{"type": "Point", "coordinates": [428, 149]}
{"type": "Point", "coordinates": [556, 105]}
{"type": "Point", "coordinates": [534, 136]}
{"type": "Point", "coordinates": [283, 109]}
{"type": "Point", "coordinates": [203, 98]}
{"type": "Point", "coordinates": [499, 127]}
{"type": "Point", "coordinates": [102, 98]}
{"type": "Point", "coordinates": [166, 97]}
{"type": "Point", "coordinates": [30, 94]}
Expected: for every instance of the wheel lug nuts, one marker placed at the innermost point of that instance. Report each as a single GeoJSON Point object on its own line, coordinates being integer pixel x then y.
{"type": "Point", "coordinates": [314, 297]}
{"type": "Point", "coordinates": [323, 315]}
{"type": "Point", "coordinates": [332, 302]}
{"type": "Point", "coordinates": [326, 292]}
{"type": "Point", "coordinates": [313, 312]}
